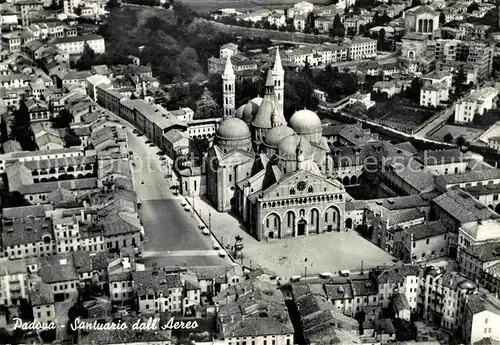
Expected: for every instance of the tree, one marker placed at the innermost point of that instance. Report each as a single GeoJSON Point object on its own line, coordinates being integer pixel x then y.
{"type": "Point", "coordinates": [404, 330]}
{"type": "Point", "coordinates": [87, 59]}
{"type": "Point", "coordinates": [358, 108]}
{"type": "Point", "coordinates": [207, 107]}
{"type": "Point", "coordinates": [461, 141]}
{"type": "Point", "coordinates": [338, 29]}
{"type": "Point", "coordinates": [442, 18]}
{"type": "Point", "coordinates": [448, 138]}
{"type": "Point", "coordinates": [459, 79]}
{"type": "Point", "coordinates": [299, 93]}
{"type": "Point", "coordinates": [55, 5]}
{"type": "Point", "coordinates": [413, 92]}
{"type": "Point", "coordinates": [185, 15]}
{"type": "Point", "coordinates": [309, 27]}
{"type": "Point", "coordinates": [381, 39]}
{"type": "Point", "coordinates": [112, 5]}
{"type": "Point", "coordinates": [472, 7]}
{"type": "Point", "coordinates": [20, 127]}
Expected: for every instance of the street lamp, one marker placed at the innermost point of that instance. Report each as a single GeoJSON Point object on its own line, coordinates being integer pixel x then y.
{"type": "Point", "coordinates": [209, 221]}
{"type": "Point", "coordinates": [305, 271]}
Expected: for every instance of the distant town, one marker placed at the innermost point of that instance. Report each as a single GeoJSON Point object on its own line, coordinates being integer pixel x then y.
{"type": "Point", "coordinates": [236, 173]}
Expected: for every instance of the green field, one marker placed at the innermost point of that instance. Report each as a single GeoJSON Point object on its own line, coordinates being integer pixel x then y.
{"type": "Point", "coordinates": [213, 5]}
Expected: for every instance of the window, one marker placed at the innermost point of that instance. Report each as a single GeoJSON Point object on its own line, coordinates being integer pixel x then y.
{"type": "Point", "coordinates": [230, 177]}
{"type": "Point", "coordinates": [267, 223]}
{"type": "Point", "coordinates": [486, 320]}
{"type": "Point", "coordinates": [427, 241]}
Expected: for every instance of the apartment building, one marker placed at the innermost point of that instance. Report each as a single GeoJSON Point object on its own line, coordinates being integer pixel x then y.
{"type": "Point", "coordinates": [75, 45]}
{"type": "Point", "coordinates": [42, 302]}
{"type": "Point", "coordinates": [157, 291]}
{"type": "Point", "coordinates": [398, 279]}
{"type": "Point", "coordinates": [481, 318]}
{"type": "Point", "coordinates": [434, 95]}
{"type": "Point", "coordinates": [13, 282]}
{"type": "Point", "coordinates": [475, 104]}
{"type": "Point", "coordinates": [453, 52]}
{"type": "Point", "coordinates": [424, 242]}
{"type": "Point", "coordinates": [362, 48]}
{"type": "Point", "coordinates": [443, 295]}
{"type": "Point", "coordinates": [253, 314]}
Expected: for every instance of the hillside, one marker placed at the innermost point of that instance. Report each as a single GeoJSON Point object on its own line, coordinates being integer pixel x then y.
{"type": "Point", "coordinates": [174, 43]}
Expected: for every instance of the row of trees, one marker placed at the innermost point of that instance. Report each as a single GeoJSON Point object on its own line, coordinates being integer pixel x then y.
{"type": "Point", "coordinates": [299, 91]}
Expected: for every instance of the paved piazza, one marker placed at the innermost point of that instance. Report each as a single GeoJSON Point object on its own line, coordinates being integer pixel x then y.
{"type": "Point", "coordinates": [172, 236]}
{"type": "Point", "coordinates": [329, 252]}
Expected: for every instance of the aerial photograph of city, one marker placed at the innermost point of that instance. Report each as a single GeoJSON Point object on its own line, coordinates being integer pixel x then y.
{"type": "Point", "coordinates": [250, 172]}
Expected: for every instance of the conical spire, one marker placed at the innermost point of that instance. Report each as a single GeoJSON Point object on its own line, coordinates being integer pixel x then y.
{"type": "Point", "coordinates": [277, 61]}
{"type": "Point", "coordinates": [228, 69]}
{"type": "Point", "coordinates": [275, 118]}
{"type": "Point", "coordinates": [269, 79]}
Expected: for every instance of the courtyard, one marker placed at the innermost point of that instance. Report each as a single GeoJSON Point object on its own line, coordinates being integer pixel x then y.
{"type": "Point", "coordinates": [468, 133]}
{"type": "Point", "coordinates": [399, 114]}
{"type": "Point", "coordinates": [306, 255]}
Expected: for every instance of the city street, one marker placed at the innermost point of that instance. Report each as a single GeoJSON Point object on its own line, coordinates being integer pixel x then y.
{"type": "Point", "coordinates": [172, 236]}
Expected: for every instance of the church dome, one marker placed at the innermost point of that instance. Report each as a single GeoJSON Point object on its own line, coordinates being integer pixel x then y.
{"type": "Point", "coordinates": [287, 147]}
{"type": "Point", "coordinates": [276, 134]}
{"type": "Point", "coordinates": [239, 112]}
{"type": "Point", "coordinates": [305, 122]}
{"type": "Point", "coordinates": [249, 112]}
{"type": "Point", "coordinates": [263, 117]}
{"type": "Point", "coordinates": [233, 129]}
{"type": "Point", "coordinates": [257, 100]}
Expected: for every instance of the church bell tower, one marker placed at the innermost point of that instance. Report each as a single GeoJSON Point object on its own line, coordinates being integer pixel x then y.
{"type": "Point", "coordinates": [228, 89]}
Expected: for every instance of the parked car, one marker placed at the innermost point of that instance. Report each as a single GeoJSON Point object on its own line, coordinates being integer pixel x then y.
{"type": "Point", "coordinates": [222, 253]}
{"type": "Point", "coordinates": [325, 275]}
{"type": "Point", "coordinates": [162, 158]}
{"type": "Point", "coordinates": [187, 208]}
{"type": "Point", "coordinates": [183, 203]}
{"type": "Point", "coordinates": [216, 247]}
{"type": "Point", "coordinates": [205, 232]}
{"type": "Point", "coordinates": [148, 141]}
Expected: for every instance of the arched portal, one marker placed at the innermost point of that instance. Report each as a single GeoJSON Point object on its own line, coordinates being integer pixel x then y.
{"type": "Point", "coordinates": [289, 222]}
{"type": "Point", "coordinates": [345, 181]}
{"type": "Point", "coordinates": [348, 223]}
{"type": "Point", "coordinates": [314, 220]}
{"type": "Point", "coordinates": [354, 180]}
{"type": "Point", "coordinates": [272, 225]}
{"type": "Point", "coordinates": [331, 217]}
{"type": "Point", "coordinates": [301, 227]}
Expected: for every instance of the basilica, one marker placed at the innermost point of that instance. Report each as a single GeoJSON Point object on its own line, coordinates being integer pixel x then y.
{"type": "Point", "coordinates": [270, 171]}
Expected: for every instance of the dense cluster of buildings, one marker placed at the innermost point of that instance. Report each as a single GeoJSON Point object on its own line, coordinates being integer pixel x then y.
{"type": "Point", "coordinates": [436, 211]}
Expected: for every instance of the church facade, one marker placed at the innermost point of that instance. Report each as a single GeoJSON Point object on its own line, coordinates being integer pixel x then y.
{"type": "Point", "coordinates": [270, 171]}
